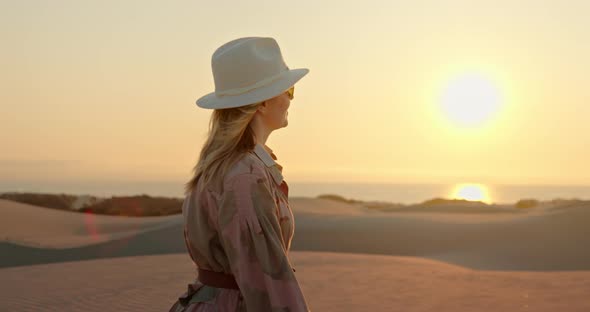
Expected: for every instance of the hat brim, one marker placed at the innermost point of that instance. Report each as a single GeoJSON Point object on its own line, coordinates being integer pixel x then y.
{"type": "Point", "coordinates": [283, 83]}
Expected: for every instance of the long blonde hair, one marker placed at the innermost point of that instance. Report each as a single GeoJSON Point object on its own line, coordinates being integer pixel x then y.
{"type": "Point", "coordinates": [230, 136]}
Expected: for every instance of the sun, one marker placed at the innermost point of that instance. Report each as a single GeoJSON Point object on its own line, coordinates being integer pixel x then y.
{"type": "Point", "coordinates": [470, 100]}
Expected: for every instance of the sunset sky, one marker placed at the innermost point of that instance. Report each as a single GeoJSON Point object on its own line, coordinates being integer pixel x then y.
{"type": "Point", "coordinates": [414, 91]}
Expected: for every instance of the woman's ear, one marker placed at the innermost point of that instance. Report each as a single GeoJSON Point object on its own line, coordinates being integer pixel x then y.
{"type": "Point", "coordinates": [262, 107]}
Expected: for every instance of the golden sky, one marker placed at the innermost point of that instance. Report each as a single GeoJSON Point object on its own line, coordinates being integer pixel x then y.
{"type": "Point", "coordinates": [107, 89]}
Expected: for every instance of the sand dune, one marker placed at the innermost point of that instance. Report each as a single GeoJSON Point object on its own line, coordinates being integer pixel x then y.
{"type": "Point", "coordinates": [330, 282]}
{"type": "Point", "coordinates": [35, 226]}
{"type": "Point", "coordinates": [545, 239]}
{"type": "Point", "coordinates": [443, 260]}
{"type": "Point", "coordinates": [542, 239]}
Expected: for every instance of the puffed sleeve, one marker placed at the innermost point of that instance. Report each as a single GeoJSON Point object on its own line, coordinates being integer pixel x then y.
{"type": "Point", "coordinates": [251, 236]}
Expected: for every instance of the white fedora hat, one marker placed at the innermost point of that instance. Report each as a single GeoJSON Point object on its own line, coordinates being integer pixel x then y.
{"type": "Point", "coordinates": [247, 71]}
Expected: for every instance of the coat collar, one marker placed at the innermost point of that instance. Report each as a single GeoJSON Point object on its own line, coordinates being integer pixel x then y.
{"type": "Point", "coordinates": [268, 158]}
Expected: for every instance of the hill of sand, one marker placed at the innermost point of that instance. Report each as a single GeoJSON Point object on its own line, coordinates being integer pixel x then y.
{"type": "Point", "coordinates": [330, 282]}
{"type": "Point", "coordinates": [549, 237]}
{"type": "Point", "coordinates": [514, 239]}
{"type": "Point", "coordinates": [34, 226]}
{"type": "Point", "coordinates": [444, 258]}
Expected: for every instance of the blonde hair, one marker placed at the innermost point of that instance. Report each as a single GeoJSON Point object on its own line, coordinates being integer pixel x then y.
{"type": "Point", "coordinates": [230, 136]}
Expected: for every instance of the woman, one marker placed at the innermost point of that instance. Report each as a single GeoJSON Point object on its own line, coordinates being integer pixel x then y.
{"type": "Point", "coordinates": [238, 223]}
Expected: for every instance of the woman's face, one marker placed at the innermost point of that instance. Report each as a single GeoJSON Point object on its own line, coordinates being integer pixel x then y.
{"type": "Point", "coordinates": [275, 113]}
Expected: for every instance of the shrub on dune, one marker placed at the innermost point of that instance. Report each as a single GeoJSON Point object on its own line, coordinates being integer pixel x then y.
{"type": "Point", "coordinates": [338, 198]}
{"type": "Point", "coordinates": [133, 206]}
{"type": "Point", "coordinates": [54, 201]}
{"type": "Point", "coordinates": [526, 203]}
{"type": "Point", "coordinates": [136, 206]}
{"type": "Point", "coordinates": [444, 201]}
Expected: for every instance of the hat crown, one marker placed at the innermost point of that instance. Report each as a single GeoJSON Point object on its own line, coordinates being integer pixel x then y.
{"type": "Point", "coordinates": [246, 71]}
{"type": "Point", "coordinates": [246, 63]}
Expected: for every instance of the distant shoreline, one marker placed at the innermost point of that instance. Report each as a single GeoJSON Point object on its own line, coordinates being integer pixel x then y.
{"type": "Point", "coordinates": [145, 205]}
{"type": "Point", "coordinates": [406, 193]}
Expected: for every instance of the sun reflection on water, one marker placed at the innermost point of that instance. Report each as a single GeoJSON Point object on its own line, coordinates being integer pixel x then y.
{"type": "Point", "coordinates": [471, 191]}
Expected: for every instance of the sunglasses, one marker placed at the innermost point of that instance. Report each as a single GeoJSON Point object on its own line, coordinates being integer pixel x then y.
{"type": "Point", "coordinates": [291, 92]}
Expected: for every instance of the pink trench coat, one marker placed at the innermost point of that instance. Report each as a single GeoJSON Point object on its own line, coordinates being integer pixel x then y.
{"type": "Point", "coordinates": [246, 230]}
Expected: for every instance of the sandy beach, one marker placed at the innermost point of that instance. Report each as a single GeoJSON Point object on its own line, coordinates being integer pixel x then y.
{"type": "Point", "coordinates": [348, 258]}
